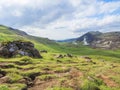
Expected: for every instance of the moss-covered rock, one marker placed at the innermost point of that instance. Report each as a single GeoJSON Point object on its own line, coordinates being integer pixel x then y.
{"type": "Point", "coordinates": [15, 48]}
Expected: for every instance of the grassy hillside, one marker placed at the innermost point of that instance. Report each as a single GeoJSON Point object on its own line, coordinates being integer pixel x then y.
{"type": "Point", "coordinates": [99, 72]}
{"type": "Point", "coordinates": [41, 43]}
{"type": "Point", "coordinates": [45, 44]}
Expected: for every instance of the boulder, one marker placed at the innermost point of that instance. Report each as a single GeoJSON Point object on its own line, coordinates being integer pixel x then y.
{"type": "Point", "coordinates": [4, 51]}
{"type": "Point", "coordinates": [22, 48]}
{"type": "Point", "coordinates": [60, 56]}
{"type": "Point", "coordinates": [69, 55]}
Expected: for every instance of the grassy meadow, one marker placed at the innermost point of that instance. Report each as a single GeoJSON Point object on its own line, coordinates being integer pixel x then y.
{"type": "Point", "coordinates": [100, 72]}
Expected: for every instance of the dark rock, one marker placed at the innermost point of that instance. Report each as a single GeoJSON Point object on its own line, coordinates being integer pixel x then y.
{"type": "Point", "coordinates": [43, 51]}
{"type": "Point", "coordinates": [1, 75]}
{"type": "Point", "coordinates": [34, 75]}
{"type": "Point", "coordinates": [69, 55]}
{"type": "Point", "coordinates": [87, 57]}
{"type": "Point", "coordinates": [94, 62]}
{"type": "Point", "coordinates": [4, 51]}
{"type": "Point", "coordinates": [60, 56]}
{"type": "Point", "coordinates": [14, 48]}
{"type": "Point", "coordinates": [59, 61]}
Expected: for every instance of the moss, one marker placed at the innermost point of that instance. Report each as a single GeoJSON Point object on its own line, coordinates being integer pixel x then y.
{"type": "Point", "coordinates": [24, 61]}
{"type": "Point", "coordinates": [87, 85]}
{"type": "Point", "coordinates": [4, 87]}
{"type": "Point", "coordinates": [14, 77]}
{"type": "Point", "coordinates": [108, 88]}
{"type": "Point", "coordinates": [28, 73]}
{"type": "Point", "coordinates": [62, 69]}
{"type": "Point", "coordinates": [47, 77]}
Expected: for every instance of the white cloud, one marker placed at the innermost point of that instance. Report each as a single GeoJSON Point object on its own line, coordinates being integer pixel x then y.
{"type": "Point", "coordinates": [75, 3]}
{"type": "Point", "coordinates": [106, 8]}
{"type": "Point", "coordinates": [17, 13]}
{"type": "Point", "coordinates": [60, 19]}
{"type": "Point", "coordinates": [29, 3]}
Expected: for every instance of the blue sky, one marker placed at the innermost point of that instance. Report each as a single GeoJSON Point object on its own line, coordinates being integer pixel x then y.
{"type": "Point", "coordinates": [61, 19]}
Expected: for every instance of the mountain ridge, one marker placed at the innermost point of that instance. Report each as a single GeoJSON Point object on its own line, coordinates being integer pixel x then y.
{"type": "Point", "coordinates": [96, 39]}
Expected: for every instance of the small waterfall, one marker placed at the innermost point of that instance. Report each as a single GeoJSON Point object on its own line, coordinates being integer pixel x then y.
{"type": "Point", "coordinates": [85, 41]}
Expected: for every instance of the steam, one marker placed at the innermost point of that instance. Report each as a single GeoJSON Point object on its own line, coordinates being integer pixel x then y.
{"type": "Point", "coordinates": [85, 41]}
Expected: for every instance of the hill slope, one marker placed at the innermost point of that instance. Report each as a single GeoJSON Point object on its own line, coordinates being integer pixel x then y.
{"type": "Point", "coordinates": [8, 34]}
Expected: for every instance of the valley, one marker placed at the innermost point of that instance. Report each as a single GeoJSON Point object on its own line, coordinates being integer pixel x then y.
{"type": "Point", "coordinates": [63, 66]}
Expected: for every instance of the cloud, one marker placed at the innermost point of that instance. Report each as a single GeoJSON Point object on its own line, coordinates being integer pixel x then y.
{"type": "Point", "coordinates": [17, 13]}
{"type": "Point", "coordinates": [61, 19]}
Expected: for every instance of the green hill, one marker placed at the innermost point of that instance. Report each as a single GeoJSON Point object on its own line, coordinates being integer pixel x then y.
{"type": "Point", "coordinates": [8, 34]}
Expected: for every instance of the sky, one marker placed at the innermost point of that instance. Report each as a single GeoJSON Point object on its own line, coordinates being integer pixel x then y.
{"type": "Point", "coordinates": [61, 19]}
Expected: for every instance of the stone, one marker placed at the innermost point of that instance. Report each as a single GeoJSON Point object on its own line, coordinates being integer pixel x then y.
{"type": "Point", "coordinates": [69, 55]}
{"type": "Point", "coordinates": [60, 56]}
{"type": "Point", "coordinates": [4, 51]}
{"type": "Point", "coordinates": [43, 51]}
{"type": "Point", "coordinates": [22, 48]}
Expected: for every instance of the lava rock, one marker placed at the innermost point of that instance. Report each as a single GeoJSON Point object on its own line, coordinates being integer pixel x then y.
{"type": "Point", "coordinates": [22, 48]}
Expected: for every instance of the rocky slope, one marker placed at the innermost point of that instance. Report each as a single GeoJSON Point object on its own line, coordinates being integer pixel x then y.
{"type": "Point", "coordinates": [96, 39]}
{"type": "Point", "coordinates": [109, 40]}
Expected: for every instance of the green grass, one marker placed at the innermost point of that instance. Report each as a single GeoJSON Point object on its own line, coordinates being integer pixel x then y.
{"type": "Point", "coordinates": [47, 69]}
{"type": "Point", "coordinates": [60, 70]}
{"type": "Point", "coordinates": [4, 87]}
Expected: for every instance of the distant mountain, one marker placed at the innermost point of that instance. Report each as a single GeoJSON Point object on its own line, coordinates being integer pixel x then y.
{"type": "Point", "coordinates": [96, 39]}
{"type": "Point", "coordinates": [109, 40]}
{"type": "Point", "coordinates": [90, 37]}
{"type": "Point", "coordinates": [67, 40]}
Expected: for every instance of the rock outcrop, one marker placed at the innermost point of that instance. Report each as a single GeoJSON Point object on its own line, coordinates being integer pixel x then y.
{"type": "Point", "coordinates": [22, 48]}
